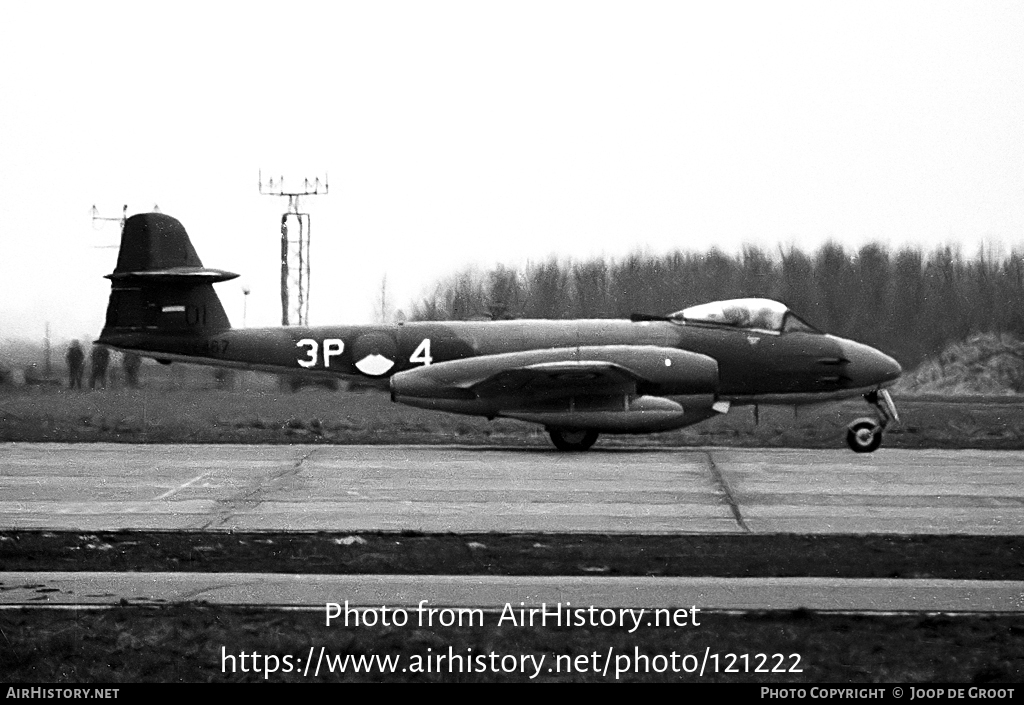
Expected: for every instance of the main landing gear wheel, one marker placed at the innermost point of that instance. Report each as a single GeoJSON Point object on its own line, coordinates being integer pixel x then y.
{"type": "Point", "coordinates": [864, 435]}
{"type": "Point", "coordinates": [569, 440]}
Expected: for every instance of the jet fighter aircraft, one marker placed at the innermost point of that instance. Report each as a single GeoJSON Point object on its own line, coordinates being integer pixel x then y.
{"type": "Point", "coordinates": [577, 378]}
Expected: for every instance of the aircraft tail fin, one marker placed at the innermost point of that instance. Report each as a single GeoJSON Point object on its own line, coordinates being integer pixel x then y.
{"type": "Point", "coordinates": [160, 285]}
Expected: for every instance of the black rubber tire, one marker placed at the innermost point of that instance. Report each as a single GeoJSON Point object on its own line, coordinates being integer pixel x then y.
{"type": "Point", "coordinates": [864, 436]}
{"type": "Point", "coordinates": [572, 440]}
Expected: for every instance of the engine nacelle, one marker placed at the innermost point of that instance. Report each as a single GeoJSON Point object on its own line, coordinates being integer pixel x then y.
{"type": "Point", "coordinates": [616, 388]}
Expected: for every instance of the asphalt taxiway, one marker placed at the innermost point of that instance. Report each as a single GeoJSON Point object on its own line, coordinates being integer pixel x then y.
{"type": "Point", "coordinates": [94, 487]}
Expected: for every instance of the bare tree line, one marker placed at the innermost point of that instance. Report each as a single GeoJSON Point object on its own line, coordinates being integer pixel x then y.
{"type": "Point", "coordinates": [908, 302]}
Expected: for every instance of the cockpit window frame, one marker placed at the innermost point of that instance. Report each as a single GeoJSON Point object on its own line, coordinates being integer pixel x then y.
{"type": "Point", "coordinates": [789, 322]}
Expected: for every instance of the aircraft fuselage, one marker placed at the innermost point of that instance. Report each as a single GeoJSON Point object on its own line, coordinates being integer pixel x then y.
{"type": "Point", "coordinates": [752, 365]}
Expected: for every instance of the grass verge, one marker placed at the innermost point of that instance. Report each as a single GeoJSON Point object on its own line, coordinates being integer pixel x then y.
{"type": "Point", "coordinates": [187, 415]}
{"type": "Point", "coordinates": [191, 643]}
{"type": "Point", "coordinates": [727, 555]}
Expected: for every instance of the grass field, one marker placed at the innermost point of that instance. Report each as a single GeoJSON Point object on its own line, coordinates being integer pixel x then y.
{"type": "Point", "coordinates": [189, 408]}
{"type": "Point", "coordinates": [188, 644]}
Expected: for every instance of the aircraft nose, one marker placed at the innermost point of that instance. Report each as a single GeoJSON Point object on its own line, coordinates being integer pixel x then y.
{"type": "Point", "coordinates": [868, 366]}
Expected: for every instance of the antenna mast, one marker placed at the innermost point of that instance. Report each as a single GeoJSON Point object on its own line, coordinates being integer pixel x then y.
{"type": "Point", "coordinates": [295, 260]}
{"type": "Point", "coordinates": [97, 218]}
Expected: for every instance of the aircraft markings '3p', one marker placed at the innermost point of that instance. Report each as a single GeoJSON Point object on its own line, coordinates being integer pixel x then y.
{"type": "Point", "coordinates": [577, 378]}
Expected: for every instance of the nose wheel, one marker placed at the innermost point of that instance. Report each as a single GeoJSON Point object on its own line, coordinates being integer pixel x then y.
{"type": "Point", "coordinates": [865, 435]}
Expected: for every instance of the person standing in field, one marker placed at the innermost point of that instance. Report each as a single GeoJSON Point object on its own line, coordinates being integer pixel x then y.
{"type": "Point", "coordinates": [131, 363]}
{"type": "Point", "coordinates": [99, 359]}
{"type": "Point", "coordinates": [76, 364]}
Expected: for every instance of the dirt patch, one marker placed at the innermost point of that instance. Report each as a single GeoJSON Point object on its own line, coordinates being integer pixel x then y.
{"type": "Point", "coordinates": [985, 364]}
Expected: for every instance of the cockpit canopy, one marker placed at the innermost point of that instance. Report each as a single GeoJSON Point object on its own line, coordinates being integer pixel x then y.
{"type": "Point", "coordinates": [747, 314]}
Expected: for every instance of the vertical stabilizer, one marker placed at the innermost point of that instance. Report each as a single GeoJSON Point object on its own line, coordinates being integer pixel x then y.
{"type": "Point", "coordinates": [153, 241]}
{"type": "Point", "coordinates": [160, 284]}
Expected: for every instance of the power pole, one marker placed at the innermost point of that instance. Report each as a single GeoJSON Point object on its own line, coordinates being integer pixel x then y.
{"type": "Point", "coordinates": [295, 259]}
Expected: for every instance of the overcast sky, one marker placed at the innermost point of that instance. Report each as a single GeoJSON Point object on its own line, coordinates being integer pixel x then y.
{"type": "Point", "coordinates": [459, 133]}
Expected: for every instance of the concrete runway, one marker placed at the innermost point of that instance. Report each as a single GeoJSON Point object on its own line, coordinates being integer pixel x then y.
{"type": "Point", "coordinates": [92, 487]}
{"type": "Point", "coordinates": [489, 592]}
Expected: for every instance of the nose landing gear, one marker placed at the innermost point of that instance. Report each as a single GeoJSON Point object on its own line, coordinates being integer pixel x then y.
{"type": "Point", "coordinates": [865, 435]}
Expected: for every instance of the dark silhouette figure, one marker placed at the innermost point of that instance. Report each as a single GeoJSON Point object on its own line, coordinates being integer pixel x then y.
{"type": "Point", "coordinates": [131, 363]}
{"type": "Point", "coordinates": [76, 364]}
{"type": "Point", "coordinates": [98, 361]}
